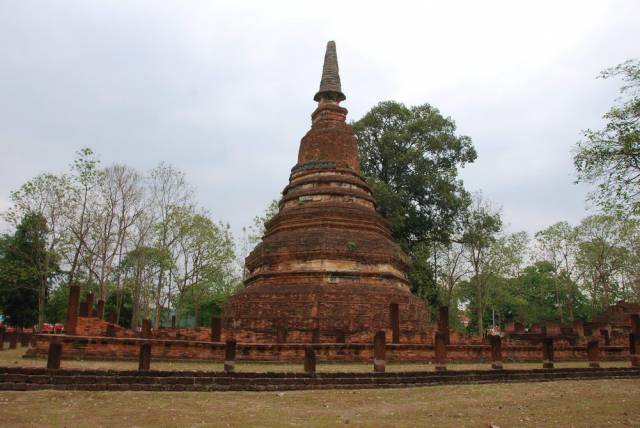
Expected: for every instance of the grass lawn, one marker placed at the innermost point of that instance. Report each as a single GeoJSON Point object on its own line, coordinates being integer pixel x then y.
{"type": "Point", "coordinates": [553, 404]}
{"type": "Point", "coordinates": [14, 358]}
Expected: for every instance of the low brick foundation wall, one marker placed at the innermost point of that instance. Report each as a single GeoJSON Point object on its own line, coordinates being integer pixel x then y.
{"type": "Point", "coordinates": [114, 348]}
{"type": "Point", "coordinates": [26, 379]}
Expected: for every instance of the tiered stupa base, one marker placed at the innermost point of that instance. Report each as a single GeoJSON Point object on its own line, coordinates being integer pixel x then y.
{"type": "Point", "coordinates": [327, 313]}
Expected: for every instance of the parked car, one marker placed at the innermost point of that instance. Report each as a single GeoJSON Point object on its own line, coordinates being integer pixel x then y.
{"type": "Point", "coordinates": [58, 328]}
{"type": "Point", "coordinates": [47, 328]}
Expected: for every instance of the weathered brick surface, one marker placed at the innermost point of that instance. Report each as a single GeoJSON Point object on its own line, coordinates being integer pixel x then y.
{"type": "Point", "coordinates": [327, 266]}
{"type": "Point", "coordinates": [24, 379]}
{"type": "Point", "coordinates": [75, 347]}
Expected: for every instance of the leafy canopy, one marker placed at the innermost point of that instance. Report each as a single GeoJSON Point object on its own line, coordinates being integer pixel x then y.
{"type": "Point", "coordinates": [610, 157]}
{"type": "Point", "coordinates": [26, 266]}
{"type": "Point", "coordinates": [410, 156]}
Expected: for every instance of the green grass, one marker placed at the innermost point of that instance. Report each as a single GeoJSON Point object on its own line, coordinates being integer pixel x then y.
{"type": "Point", "coordinates": [14, 358]}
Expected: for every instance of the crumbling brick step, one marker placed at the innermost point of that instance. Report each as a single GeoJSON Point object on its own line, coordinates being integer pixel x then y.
{"type": "Point", "coordinates": [26, 379]}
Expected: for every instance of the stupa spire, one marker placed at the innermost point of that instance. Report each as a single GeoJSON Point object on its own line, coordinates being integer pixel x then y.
{"type": "Point", "coordinates": [330, 89]}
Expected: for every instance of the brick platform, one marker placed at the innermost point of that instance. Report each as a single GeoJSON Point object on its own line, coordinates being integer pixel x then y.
{"type": "Point", "coordinates": [109, 348]}
{"type": "Point", "coordinates": [27, 379]}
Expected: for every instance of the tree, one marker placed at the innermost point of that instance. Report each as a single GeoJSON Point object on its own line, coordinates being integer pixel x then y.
{"type": "Point", "coordinates": [142, 265]}
{"type": "Point", "coordinates": [410, 157]}
{"type": "Point", "coordinates": [26, 268]}
{"type": "Point", "coordinates": [482, 224]}
{"type": "Point", "coordinates": [252, 235]}
{"type": "Point", "coordinates": [78, 219]}
{"type": "Point", "coordinates": [206, 256]}
{"type": "Point", "coordinates": [558, 245]}
{"type": "Point", "coordinates": [169, 192]}
{"type": "Point", "coordinates": [120, 200]}
{"type": "Point", "coordinates": [600, 259]}
{"type": "Point", "coordinates": [610, 157]}
{"type": "Point", "coordinates": [532, 297]}
{"type": "Point", "coordinates": [127, 237]}
{"type": "Point", "coordinates": [630, 272]}
{"type": "Point", "coordinates": [451, 269]}
{"type": "Point", "coordinates": [44, 196]}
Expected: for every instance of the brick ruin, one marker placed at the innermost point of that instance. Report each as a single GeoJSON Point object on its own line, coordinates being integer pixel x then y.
{"type": "Point", "coordinates": [98, 339]}
{"type": "Point", "coordinates": [328, 274]}
{"type": "Point", "coordinates": [327, 269]}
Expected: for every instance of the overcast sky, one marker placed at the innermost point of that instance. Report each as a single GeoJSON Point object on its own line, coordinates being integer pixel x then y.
{"type": "Point", "coordinates": [224, 91]}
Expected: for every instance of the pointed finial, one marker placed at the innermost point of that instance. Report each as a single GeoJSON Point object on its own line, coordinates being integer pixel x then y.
{"type": "Point", "coordinates": [330, 89]}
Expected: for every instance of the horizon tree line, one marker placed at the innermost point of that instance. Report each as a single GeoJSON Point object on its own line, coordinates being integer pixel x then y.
{"type": "Point", "coordinates": [142, 244]}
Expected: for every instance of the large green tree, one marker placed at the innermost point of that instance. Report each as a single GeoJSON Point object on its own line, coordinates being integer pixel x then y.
{"type": "Point", "coordinates": [610, 157]}
{"type": "Point", "coordinates": [410, 157]}
{"type": "Point", "coordinates": [26, 268]}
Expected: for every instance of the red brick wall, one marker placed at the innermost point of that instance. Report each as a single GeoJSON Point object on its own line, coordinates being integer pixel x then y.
{"type": "Point", "coordinates": [128, 348]}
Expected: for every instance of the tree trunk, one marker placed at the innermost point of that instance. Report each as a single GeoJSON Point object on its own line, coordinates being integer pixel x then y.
{"type": "Point", "coordinates": [157, 316]}
{"type": "Point", "coordinates": [42, 295]}
{"type": "Point", "coordinates": [480, 307]}
{"type": "Point", "coordinates": [197, 313]}
{"type": "Point", "coordinates": [135, 312]}
{"type": "Point", "coordinates": [555, 283]}
{"type": "Point", "coordinates": [158, 298]}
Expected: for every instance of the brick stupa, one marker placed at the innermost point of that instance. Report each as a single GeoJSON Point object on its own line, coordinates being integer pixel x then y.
{"type": "Point", "coordinates": [327, 269]}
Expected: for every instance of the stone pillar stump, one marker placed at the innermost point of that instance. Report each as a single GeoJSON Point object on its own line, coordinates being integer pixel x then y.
{"type": "Point", "coordinates": [89, 299]}
{"type": "Point", "coordinates": [379, 352]}
{"type": "Point", "coordinates": [593, 354]}
{"type": "Point", "coordinates": [441, 351]}
{"type": "Point", "coordinates": [309, 359]}
{"type": "Point", "coordinates": [443, 322]}
{"type": "Point", "coordinates": [145, 333]}
{"type": "Point", "coordinates": [54, 355]}
{"type": "Point", "coordinates": [547, 353]}
{"type": "Point", "coordinates": [72, 310]}
{"type": "Point", "coordinates": [144, 361]}
{"type": "Point", "coordinates": [496, 352]}
{"type": "Point", "coordinates": [216, 328]}
{"type": "Point", "coordinates": [230, 355]}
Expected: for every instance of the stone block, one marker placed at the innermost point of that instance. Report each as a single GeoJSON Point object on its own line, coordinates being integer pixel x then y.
{"type": "Point", "coordinates": [379, 352]}
{"type": "Point", "coordinates": [309, 359]}
{"type": "Point", "coordinates": [216, 328]}
{"type": "Point", "coordinates": [547, 353]}
{"type": "Point", "coordinates": [230, 355]}
{"type": "Point", "coordinates": [72, 310]}
{"type": "Point", "coordinates": [440, 351]}
{"type": "Point", "coordinates": [55, 353]}
{"type": "Point", "coordinates": [593, 353]}
{"type": "Point", "coordinates": [144, 359]}
{"type": "Point", "coordinates": [496, 352]}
